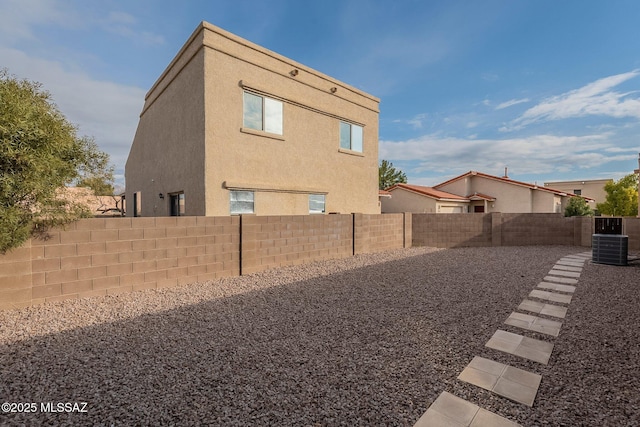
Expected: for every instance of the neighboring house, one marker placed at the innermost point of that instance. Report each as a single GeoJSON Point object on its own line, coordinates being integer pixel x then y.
{"type": "Point", "coordinates": [99, 206]}
{"type": "Point", "coordinates": [231, 127]}
{"type": "Point", "coordinates": [592, 188]}
{"type": "Point", "coordinates": [477, 192]}
{"type": "Point", "coordinates": [420, 199]}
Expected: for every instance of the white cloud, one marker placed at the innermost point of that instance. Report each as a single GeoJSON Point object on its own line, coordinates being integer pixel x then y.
{"type": "Point", "coordinates": [415, 122]}
{"type": "Point", "coordinates": [123, 24]}
{"type": "Point", "coordinates": [511, 103]}
{"type": "Point", "coordinates": [490, 77]}
{"type": "Point", "coordinates": [105, 110]}
{"type": "Point", "coordinates": [526, 155]}
{"type": "Point", "coordinates": [594, 99]}
{"type": "Point", "coordinates": [18, 17]}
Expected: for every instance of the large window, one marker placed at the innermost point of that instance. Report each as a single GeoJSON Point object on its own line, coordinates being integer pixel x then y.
{"type": "Point", "coordinates": [241, 202]}
{"type": "Point", "coordinates": [351, 137]}
{"type": "Point", "coordinates": [262, 113]}
{"type": "Point", "coordinates": [316, 203]}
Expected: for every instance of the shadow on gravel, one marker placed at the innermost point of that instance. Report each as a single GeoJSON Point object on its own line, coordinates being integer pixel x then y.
{"type": "Point", "coordinates": [368, 346]}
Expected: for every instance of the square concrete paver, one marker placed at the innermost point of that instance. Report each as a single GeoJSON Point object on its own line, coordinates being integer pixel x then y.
{"type": "Point", "coordinates": [507, 381]}
{"type": "Point", "coordinates": [550, 296]}
{"type": "Point", "coordinates": [563, 273]}
{"type": "Point", "coordinates": [534, 323]}
{"type": "Point", "coordinates": [570, 263]}
{"type": "Point", "coordinates": [451, 411]}
{"type": "Point", "coordinates": [567, 268]}
{"type": "Point", "coordinates": [579, 261]}
{"type": "Point", "coordinates": [557, 287]}
{"type": "Point", "coordinates": [528, 348]}
{"type": "Point", "coordinates": [564, 280]}
{"type": "Point", "coordinates": [543, 308]}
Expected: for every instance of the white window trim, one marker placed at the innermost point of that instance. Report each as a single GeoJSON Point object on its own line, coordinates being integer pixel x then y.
{"type": "Point", "coordinates": [350, 150]}
{"type": "Point", "coordinates": [263, 131]}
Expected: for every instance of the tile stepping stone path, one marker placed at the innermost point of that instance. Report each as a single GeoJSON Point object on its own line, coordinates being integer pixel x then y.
{"type": "Point", "coordinates": [508, 381]}
{"type": "Point", "coordinates": [525, 347]}
{"type": "Point", "coordinates": [543, 308]}
{"type": "Point", "coordinates": [451, 411]}
{"type": "Point", "coordinates": [556, 287]}
{"type": "Point", "coordinates": [560, 280]}
{"type": "Point", "coordinates": [550, 296]}
{"type": "Point", "coordinates": [567, 268]}
{"type": "Point", "coordinates": [557, 272]}
{"type": "Point", "coordinates": [534, 323]}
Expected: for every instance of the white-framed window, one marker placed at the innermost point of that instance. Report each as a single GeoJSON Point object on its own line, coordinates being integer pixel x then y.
{"type": "Point", "coordinates": [262, 113]}
{"type": "Point", "coordinates": [241, 202]}
{"type": "Point", "coordinates": [351, 137]}
{"type": "Point", "coordinates": [316, 203]}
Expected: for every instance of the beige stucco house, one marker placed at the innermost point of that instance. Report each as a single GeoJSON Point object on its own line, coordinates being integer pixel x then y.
{"type": "Point", "coordinates": [592, 188]}
{"type": "Point", "coordinates": [421, 199]}
{"type": "Point", "coordinates": [477, 192]}
{"type": "Point", "coordinates": [231, 127]}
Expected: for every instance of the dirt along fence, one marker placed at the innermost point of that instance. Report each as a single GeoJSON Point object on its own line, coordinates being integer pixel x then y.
{"type": "Point", "coordinates": [104, 256]}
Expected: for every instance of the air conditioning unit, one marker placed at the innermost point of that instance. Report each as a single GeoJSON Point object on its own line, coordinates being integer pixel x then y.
{"type": "Point", "coordinates": [612, 249]}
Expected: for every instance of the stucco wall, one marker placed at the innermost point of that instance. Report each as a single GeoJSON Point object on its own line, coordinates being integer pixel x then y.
{"type": "Point", "coordinates": [306, 159]}
{"type": "Point", "coordinates": [510, 198]}
{"type": "Point", "coordinates": [402, 200]}
{"type": "Point", "coordinates": [168, 151]}
{"type": "Point", "coordinates": [589, 188]}
{"type": "Point", "coordinates": [191, 138]}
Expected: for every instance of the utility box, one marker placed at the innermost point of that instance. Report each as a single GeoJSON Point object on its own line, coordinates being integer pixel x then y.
{"type": "Point", "coordinates": [612, 249]}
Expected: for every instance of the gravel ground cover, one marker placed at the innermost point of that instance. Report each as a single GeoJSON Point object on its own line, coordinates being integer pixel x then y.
{"type": "Point", "coordinates": [369, 340]}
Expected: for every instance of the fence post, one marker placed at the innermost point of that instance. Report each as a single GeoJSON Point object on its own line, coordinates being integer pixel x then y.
{"type": "Point", "coordinates": [496, 229]}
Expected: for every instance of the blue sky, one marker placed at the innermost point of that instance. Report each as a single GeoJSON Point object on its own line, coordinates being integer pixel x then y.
{"type": "Point", "coordinates": [549, 88]}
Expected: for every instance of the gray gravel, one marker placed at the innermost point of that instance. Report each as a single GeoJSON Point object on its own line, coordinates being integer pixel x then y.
{"type": "Point", "coordinates": [370, 340]}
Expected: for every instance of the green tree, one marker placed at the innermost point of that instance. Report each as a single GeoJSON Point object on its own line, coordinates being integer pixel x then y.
{"type": "Point", "coordinates": [388, 175]}
{"type": "Point", "coordinates": [40, 154]}
{"type": "Point", "coordinates": [622, 197]}
{"type": "Point", "coordinates": [577, 206]}
{"type": "Point", "coordinates": [96, 173]}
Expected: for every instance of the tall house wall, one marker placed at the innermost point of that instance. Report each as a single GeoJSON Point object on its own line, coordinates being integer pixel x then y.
{"type": "Point", "coordinates": [283, 170]}
{"type": "Point", "coordinates": [167, 154]}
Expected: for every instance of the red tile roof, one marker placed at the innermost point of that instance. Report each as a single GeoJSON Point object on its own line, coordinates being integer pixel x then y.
{"type": "Point", "coordinates": [509, 181]}
{"type": "Point", "coordinates": [429, 192]}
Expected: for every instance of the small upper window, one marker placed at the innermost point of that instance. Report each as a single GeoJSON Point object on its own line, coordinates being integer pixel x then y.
{"type": "Point", "coordinates": [351, 137]}
{"type": "Point", "coordinates": [262, 113]}
{"type": "Point", "coordinates": [577, 192]}
{"type": "Point", "coordinates": [241, 202]}
{"type": "Point", "coordinates": [316, 203]}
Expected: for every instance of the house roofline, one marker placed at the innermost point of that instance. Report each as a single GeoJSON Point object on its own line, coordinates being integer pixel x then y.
{"type": "Point", "coordinates": [507, 181]}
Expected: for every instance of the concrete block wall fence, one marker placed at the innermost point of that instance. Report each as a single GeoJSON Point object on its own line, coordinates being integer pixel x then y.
{"type": "Point", "coordinates": [105, 256]}
{"type": "Point", "coordinates": [108, 256]}
{"type": "Point", "coordinates": [278, 241]}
